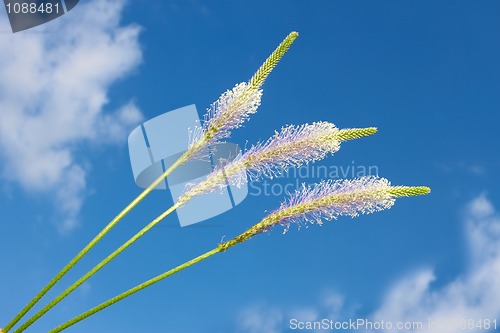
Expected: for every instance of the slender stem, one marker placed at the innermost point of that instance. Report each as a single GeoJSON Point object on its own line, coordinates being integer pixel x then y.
{"type": "Point", "coordinates": [96, 239]}
{"type": "Point", "coordinates": [132, 291]}
{"type": "Point", "coordinates": [94, 270]}
{"type": "Point", "coordinates": [220, 248]}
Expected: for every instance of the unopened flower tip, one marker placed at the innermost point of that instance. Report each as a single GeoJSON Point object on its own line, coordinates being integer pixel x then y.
{"type": "Point", "coordinates": [355, 133]}
{"type": "Point", "coordinates": [409, 191]}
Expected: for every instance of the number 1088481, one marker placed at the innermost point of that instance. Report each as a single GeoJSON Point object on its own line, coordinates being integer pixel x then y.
{"type": "Point", "coordinates": [33, 8]}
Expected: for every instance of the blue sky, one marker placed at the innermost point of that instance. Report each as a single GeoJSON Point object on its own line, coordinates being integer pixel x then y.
{"type": "Point", "coordinates": [425, 73]}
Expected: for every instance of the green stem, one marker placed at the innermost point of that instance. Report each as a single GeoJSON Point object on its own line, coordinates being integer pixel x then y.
{"type": "Point", "coordinates": [220, 248]}
{"type": "Point", "coordinates": [132, 291]}
{"type": "Point", "coordinates": [94, 270]}
{"type": "Point", "coordinates": [96, 239]}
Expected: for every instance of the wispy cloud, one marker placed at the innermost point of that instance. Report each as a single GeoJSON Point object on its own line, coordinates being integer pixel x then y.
{"type": "Point", "coordinates": [470, 167]}
{"type": "Point", "coordinates": [473, 294]}
{"type": "Point", "coordinates": [53, 96]}
{"type": "Point", "coordinates": [263, 318]}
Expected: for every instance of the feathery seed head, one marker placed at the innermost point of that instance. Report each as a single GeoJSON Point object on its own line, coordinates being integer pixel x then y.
{"type": "Point", "coordinates": [292, 146]}
{"type": "Point", "coordinates": [235, 106]}
{"type": "Point", "coordinates": [229, 112]}
{"type": "Point", "coordinates": [328, 200]}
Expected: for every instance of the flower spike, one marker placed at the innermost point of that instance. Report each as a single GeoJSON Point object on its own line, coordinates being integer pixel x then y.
{"type": "Point", "coordinates": [329, 199]}
{"type": "Point", "coordinates": [263, 72]}
{"type": "Point", "coordinates": [235, 106]}
{"type": "Point", "coordinates": [293, 146]}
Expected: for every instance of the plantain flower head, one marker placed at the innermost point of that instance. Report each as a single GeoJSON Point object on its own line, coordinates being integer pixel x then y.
{"type": "Point", "coordinates": [292, 146]}
{"type": "Point", "coordinates": [229, 112]}
{"type": "Point", "coordinates": [330, 199]}
{"type": "Point", "coordinates": [235, 106]}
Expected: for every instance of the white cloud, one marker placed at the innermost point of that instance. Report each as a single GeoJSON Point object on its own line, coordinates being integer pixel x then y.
{"type": "Point", "coordinates": [334, 305]}
{"type": "Point", "coordinates": [268, 319]}
{"type": "Point", "coordinates": [54, 82]}
{"type": "Point", "coordinates": [474, 294]}
{"type": "Point", "coordinates": [261, 319]}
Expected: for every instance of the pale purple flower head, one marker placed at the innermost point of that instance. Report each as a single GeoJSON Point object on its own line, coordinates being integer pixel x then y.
{"type": "Point", "coordinates": [229, 112]}
{"type": "Point", "coordinates": [292, 146]}
{"type": "Point", "coordinates": [330, 199]}
{"type": "Point", "coordinates": [235, 106]}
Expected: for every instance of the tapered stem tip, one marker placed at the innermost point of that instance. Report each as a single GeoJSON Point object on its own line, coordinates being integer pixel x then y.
{"type": "Point", "coordinates": [409, 191]}
{"type": "Point", "coordinates": [355, 133]}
